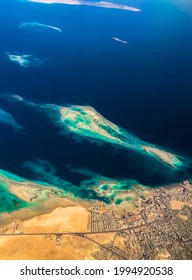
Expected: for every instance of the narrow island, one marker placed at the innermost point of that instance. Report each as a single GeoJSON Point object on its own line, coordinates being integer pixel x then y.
{"type": "Point", "coordinates": [101, 4]}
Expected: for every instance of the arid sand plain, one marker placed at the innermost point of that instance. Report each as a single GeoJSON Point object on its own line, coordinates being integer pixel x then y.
{"type": "Point", "coordinates": [60, 227]}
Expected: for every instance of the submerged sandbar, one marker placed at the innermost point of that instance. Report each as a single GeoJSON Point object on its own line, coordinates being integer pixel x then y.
{"type": "Point", "coordinates": [36, 26]}
{"type": "Point", "coordinates": [26, 60]}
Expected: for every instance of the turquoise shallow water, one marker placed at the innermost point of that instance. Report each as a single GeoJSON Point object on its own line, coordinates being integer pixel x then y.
{"type": "Point", "coordinates": [9, 202]}
{"type": "Point", "coordinates": [11, 176]}
{"type": "Point", "coordinates": [143, 86]}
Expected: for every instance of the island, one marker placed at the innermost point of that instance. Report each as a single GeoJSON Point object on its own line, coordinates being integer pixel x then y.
{"type": "Point", "coordinates": [87, 122]}
{"type": "Point", "coordinates": [101, 4]}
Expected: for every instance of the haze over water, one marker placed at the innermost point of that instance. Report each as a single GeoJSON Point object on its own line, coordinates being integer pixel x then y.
{"type": "Point", "coordinates": [143, 86]}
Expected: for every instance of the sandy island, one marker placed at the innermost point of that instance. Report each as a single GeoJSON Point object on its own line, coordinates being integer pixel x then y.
{"type": "Point", "coordinates": [101, 4]}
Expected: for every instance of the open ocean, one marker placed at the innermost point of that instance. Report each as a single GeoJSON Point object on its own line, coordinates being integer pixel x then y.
{"type": "Point", "coordinates": [144, 86]}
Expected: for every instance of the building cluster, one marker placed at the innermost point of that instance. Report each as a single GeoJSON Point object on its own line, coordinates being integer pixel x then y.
{"type": "Point", "coordinates": [157, 231]}
{"type": "Point", "coordinates": [58, 239]}
{"type": "Point", "coordinates": [184, 194]}
{"type": "Point", "coordinates": [101, 222]}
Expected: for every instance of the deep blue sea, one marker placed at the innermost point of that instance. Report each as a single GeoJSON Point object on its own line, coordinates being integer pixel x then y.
{"type": "Point", "coordinates": [144, 86]}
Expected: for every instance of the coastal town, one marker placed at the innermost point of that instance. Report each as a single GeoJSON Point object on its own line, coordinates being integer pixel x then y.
{"type": "Point", "coordinates": [159, 228]}
{"type": "Point", "coordinates": [155, 229]}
